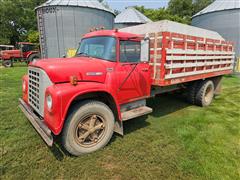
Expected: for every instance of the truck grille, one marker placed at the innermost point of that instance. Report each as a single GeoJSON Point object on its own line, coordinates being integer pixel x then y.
{"type": "Point", "coordinates": [38, 82]}
{"type": "Point", "coordinates": [34, 88]}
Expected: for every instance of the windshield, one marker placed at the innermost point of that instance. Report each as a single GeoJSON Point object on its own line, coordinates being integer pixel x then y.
{"type": "Point", "coordinates": [98, 47]}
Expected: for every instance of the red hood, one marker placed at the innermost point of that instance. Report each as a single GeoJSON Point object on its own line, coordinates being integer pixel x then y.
{"type": "Point", "coordinates": [11, 51]}
{"type": "Point", "coordinates": [60, 69]}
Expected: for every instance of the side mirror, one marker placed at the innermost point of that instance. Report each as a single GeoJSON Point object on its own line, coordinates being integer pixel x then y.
{"type": "Point", "coordinates": [144, 50]}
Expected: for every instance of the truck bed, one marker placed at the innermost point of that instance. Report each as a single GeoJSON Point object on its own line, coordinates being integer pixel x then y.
{"type": "Point", "coordinates": [180, 53]}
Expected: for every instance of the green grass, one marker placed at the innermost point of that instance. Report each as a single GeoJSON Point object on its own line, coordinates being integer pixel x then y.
{"type": "Point", "coordinates": [177, 141]}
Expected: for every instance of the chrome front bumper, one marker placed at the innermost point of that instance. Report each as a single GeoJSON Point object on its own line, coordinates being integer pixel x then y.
{"type": "Point", "coordinates": [37, 123]}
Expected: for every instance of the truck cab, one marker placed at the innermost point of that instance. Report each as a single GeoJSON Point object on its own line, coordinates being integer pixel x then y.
{"type": "Point", "coordinates": [86, 98]}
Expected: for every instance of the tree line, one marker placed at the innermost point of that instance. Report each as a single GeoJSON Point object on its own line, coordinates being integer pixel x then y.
{"type": "Point", "coordinates": [177, 10]}
{"type": "Point", "coordinates": [18, 21]}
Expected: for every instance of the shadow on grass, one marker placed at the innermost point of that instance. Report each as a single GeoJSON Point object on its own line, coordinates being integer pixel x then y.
{"type": "Point", "coordinates": [168, 103]}
{"type": "Point", "coordinates": [162, 105]}
{"type": "Point", "coordinates": [58, 150]}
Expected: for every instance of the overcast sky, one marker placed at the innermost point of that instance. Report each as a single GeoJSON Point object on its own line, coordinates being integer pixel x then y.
{"type": "Point", "coordinates": [121, 4]}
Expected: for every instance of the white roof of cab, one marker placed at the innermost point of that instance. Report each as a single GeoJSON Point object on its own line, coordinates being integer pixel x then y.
{"type": "Point", "coordinates": [131, 15]}
{"type": "Point", "coordinates": [2, 45]}
{"type": "Point", "coordinates": [170, 26]}
{"type": "Point", "coordinates": [220, 5]}
{"type": "Point", "coordinates": [81, 3]}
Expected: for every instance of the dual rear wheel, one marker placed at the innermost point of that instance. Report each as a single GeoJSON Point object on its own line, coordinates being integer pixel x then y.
{"type": "Point", "coordinates": [201, 93]}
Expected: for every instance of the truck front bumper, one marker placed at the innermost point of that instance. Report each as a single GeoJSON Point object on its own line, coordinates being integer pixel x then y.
{"type": "Point", "coordinates": [37, 123]}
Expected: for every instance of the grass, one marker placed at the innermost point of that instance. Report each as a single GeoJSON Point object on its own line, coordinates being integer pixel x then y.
{"type": "Point", "coordinates": [177, 141]}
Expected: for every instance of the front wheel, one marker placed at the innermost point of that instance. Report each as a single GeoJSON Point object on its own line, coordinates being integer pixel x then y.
{"type": "Point", "coordinates": [7, 63]}
{"type": "Point", "coordinates": [88, 128]}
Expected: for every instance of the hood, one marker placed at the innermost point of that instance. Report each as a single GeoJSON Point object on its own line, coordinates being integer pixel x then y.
{"type": "Point", "coordinates": [84, 68]}
{"type": "Point", "coordinates": [10, 51]}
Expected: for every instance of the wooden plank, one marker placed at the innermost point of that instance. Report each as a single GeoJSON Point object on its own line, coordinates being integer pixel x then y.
{"type": "Point", "coordinates": [180, 58]}
{"type": "Point", "coordinates": [180, 51]}
{"type": "Point", "coordinates": [170, 76]}
{"type": "Point", "coordinates": [169, 66]}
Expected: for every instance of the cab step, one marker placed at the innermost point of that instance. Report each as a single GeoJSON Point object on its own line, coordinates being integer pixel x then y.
{"type": "Point", "coordinates": [136, 112]}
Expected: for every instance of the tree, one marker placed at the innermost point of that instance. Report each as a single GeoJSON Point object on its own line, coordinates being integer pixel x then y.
{"type": "Point", "coordinates": [33, 36]}
{"type": "Point", "coordinates": [198, 5]}
{"type": "Point", "coordinates": [160, 14]}
{"type": "Point", "coordinates": [182, 8]}
{"type": "Point", "coordinates": [187, 8]}
{"type": "Point", "coordinates": [17, 18]}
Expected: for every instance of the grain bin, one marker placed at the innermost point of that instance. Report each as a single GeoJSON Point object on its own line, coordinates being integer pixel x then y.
{"type": "Point", "coordinates": [62, 23]}
{"type": "Point", "coordinates": [223, 17]}
{"type": "Point", "coordinates": [130, 17]}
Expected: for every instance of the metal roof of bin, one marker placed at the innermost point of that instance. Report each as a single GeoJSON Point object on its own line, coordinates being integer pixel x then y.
{"type": "Point", "coordinates": [220, 5]}
{"type": "Point", "coordinates": [78, 3]}
{"type": "Point", "coordinates": [131, 15]}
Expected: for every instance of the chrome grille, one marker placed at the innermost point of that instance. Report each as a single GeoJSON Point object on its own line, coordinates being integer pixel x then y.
{"type": "Point", "coordinates": [37, 84]}
{"type": "Point", "coordinates": [34, 78]}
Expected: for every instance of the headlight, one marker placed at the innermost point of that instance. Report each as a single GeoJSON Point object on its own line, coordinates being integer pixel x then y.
{"type": "Point", "coordinates": [49, 101]}
{"type": "Point", "coordinates": [24, 85]}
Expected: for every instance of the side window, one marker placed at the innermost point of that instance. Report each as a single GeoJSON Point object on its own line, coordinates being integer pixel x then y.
{"type": "Point", "coordinates": [130, 51]}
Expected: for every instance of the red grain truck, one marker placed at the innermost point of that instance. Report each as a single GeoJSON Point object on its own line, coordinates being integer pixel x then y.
{"type": "Point", "coordinates": [86, 98]}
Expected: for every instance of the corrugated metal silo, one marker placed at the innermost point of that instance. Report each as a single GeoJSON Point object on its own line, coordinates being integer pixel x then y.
{"type": "Point", "coordinates": [62, 23]}
{"type": "Point", "coordinates": [223, 17]}
{"type": "Point", "coordinates": [130, 17]}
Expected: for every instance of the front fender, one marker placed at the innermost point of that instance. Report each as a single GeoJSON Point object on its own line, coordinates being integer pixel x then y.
{"type": "Point", "coordinates": [63, 95]}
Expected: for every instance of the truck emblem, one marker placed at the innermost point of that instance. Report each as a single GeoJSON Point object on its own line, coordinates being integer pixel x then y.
{"type": "Point", "coordinates": [94, 73]}
{"type": "Point", "coordinates": [110, 69]}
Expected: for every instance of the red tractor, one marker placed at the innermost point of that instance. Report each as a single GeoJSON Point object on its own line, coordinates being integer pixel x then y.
{"type": "Point", "coordinates": [24, 51]}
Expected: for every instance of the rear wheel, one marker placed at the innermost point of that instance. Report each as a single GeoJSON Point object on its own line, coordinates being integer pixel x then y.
{"type": "Point", "coordinates": [88, 128]}
{"type": "Point", "coordinates": [7, 63]}
{"type": "Point", "coordinates": [191, 92]}
{"type": "Point", "coordinates": [205, 93]}
{"type": "Point", "coordinates": [32, 57]}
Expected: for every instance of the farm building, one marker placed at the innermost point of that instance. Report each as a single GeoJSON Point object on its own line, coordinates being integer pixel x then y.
{"type": "Point", "coordinates": [130, 17]}
{"type": "Point", "coordinates": [223, 17]}
{"type": "Point", "coordinates": [62, 23]}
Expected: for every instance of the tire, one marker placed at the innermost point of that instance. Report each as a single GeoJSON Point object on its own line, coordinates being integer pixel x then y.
{"type": "Point", "coordinates": [205, 93]}
{"type": "Point", "coordinates": [80, 136]}
{"type": "Point", "coordinates": [191, 93]}
{"type": "Point", "coordinates": [32, 57]}
{"type": "Point", "coordinates": [7, 63]}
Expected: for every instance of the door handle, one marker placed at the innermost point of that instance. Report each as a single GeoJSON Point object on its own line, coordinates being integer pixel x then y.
{"type": "Point", "coordinates": [145, 69]}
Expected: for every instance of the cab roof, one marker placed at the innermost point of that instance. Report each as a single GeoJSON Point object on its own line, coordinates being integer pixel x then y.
{"type": "Point", "coordinates": [113, 33]}
{"type": "Point", "coordinates": [25, 43]}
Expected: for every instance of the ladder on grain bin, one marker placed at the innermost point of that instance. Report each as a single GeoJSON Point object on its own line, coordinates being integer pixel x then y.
{"type": "Point", "coordinates": [42, 33]}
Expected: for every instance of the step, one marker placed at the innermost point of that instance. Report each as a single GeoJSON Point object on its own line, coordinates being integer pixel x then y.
{"type": "Point", "coordinates": [133, 113]}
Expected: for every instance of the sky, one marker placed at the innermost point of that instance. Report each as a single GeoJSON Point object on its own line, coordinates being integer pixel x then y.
{"type": "Point", "coordinates": [121, 4]}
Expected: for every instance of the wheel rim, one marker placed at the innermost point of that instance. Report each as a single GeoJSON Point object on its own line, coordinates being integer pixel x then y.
{"type": "Point", "coordinates": [208, 94]}
{"type": "Point", "coordinates": [90, 130]}
{"type": "Point", "coordinates": [8, 64]}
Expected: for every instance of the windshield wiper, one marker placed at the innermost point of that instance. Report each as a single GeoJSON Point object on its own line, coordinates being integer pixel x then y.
{"type": "Point", "coordinates": [83, 54]}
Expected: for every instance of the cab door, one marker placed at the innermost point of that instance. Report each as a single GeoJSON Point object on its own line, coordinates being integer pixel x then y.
{"type": "Point", "coordinates": [133, 76]}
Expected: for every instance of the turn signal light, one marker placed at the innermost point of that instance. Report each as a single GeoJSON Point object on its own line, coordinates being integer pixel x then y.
{"type": "Point", "coordinates": [73, 80]}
